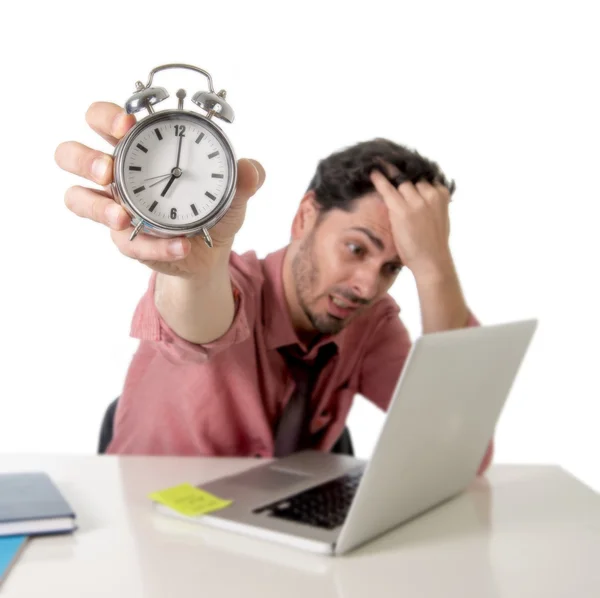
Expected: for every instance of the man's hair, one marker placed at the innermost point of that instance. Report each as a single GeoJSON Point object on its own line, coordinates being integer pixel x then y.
{"type": "Point", "coordinates": [343, 176]}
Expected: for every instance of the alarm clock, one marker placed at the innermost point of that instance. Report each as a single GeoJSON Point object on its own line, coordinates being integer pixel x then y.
{"type": "Point", "coordinates": [175, 171]}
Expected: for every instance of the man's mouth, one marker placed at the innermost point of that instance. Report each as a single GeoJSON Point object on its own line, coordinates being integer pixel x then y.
{"type": "Point", "coordinates": [342, 303]}
{"type": "Point", "coordinates": [341, 308]}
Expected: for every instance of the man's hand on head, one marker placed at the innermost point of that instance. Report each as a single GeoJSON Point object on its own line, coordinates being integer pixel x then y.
{"type": "Point", "coordinates": [419, 218]}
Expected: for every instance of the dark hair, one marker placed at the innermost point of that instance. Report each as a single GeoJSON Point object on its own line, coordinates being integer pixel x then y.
{"type": "Point", "coordinates": [343, 176]}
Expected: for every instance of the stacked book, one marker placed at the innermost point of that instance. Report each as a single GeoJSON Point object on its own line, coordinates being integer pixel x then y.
{"type": "Point", "coordinates": [30, 505]}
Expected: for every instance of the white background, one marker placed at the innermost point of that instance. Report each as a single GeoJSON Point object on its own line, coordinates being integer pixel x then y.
{"type": "Point", "coordinates": [504, 98]}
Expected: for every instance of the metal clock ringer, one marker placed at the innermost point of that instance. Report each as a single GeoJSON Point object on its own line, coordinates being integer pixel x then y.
{"type": "Point", "coordinates": [175, 171]}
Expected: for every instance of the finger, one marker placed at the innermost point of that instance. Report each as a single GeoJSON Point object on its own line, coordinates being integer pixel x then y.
{"type": "Point", "coordinates": [390, 195]}
{"type": "Point", "coordinates": [108, 191]}
{"type": "Point", "coordinates": [428, 192]}
{"type": "Point", "coordinates": [387, 169]}
{"type": "Point", "coordinates": [262, 175]}
{"type": "Point", "coordinates": [411, 193]}
{"type": "Point", "coordinates": [146, 248]}
{"type": "Point", "coordinates": [110, 121]}
{"type": "Point", "coordinates": [433, 193]}
{"type": "Point", "coordinates": [249, 180]}
{"type": "Point", "coordinates": [393, 173]}
{"type": "Point", "coordinates": [444, 192]}
{"type": "Point", "coordinates": [76, 158]}
{"type": "Point", "coordinates": [96, 206]}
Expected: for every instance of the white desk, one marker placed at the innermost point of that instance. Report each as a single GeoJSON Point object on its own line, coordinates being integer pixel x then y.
{"type": "Point", "coordinates": [520, 531]}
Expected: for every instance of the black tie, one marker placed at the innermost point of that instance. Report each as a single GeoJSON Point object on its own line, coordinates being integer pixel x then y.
{"type": "Point", "coordinates": [292, 427]}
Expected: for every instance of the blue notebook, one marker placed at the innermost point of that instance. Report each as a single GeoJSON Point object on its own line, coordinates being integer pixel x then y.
{"type": "Point", "coordinates": [10, 548]}
{"type": "Point", "coordinates": [30, 504]}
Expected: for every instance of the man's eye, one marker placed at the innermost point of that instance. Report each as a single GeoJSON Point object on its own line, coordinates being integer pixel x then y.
{"type": "Point", "coordinates": [394, 269]}
{"type": "Point", "coordinates": [355, 249]}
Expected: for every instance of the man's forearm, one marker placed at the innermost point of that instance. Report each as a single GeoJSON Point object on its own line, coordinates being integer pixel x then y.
{"type": "Point", "coordinates": [441, 299]}
{"type": "Point", "coordinates": [199, 309]}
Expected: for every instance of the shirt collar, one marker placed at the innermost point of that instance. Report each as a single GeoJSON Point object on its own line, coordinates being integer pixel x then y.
{"type": "Point", "coordinates": [279, 331]}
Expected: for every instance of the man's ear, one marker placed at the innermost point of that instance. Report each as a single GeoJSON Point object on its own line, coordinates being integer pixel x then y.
{"type": "Point", "coordinates": [306, 216]}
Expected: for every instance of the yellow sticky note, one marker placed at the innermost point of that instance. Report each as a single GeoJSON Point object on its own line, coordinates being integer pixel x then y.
{"type": "Point", "coordinates": [189, 500]}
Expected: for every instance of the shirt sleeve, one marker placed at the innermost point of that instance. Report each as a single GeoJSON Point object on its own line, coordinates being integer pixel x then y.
{"type": "Point", "coordinates": [389, 347]}
{"type": "Point", "coordinates": [149, 325]}
{"type": "Point", "coordinates": [472, 320]}
{"type": "Point", "coordinates": [487, 458]}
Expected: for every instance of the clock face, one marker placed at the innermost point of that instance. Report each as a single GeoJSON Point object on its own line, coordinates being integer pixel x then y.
{"type": "Point", "coordinates": [176, 170]}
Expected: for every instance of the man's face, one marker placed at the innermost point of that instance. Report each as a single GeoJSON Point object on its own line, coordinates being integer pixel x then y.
{"type": "Point", "coordinates": [345, 263]}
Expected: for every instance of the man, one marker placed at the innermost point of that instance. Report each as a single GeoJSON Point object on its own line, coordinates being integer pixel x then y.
{"type": "Point", "coordinates": [225, 339]}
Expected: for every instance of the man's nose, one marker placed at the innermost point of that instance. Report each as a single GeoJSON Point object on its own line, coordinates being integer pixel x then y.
{"type": "Point", "coordinates": [365, 282]}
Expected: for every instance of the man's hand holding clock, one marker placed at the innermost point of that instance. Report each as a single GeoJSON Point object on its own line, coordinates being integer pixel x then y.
{"type": "Point", "coordinates": [179, 256]}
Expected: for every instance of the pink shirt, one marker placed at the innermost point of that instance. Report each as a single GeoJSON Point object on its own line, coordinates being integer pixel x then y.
{"type": "Point", "coordinates": [224, 397]}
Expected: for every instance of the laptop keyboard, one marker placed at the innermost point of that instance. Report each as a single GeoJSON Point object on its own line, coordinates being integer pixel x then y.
{"type": "Point", "coordinates": [325, 505]}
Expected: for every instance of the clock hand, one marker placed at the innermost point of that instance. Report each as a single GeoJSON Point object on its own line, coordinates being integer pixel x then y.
{"type": "Point", "coordinates": [160, 176]}
{"type": "Point", "coordinates": [164, 176]}
{"type": "Point", "coordinates": [179, 151]}
{"type": "Point", "coordinates": [164, 191]}
{"type": "Point", "coordinates": [176, 172]}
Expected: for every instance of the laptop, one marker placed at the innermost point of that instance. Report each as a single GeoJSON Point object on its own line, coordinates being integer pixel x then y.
{"type": "Point", "coordinates": [443, 413]}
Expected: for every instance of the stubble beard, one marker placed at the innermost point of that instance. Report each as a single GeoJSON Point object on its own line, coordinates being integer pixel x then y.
{"type": "Point", "coordinates": [305, 270]}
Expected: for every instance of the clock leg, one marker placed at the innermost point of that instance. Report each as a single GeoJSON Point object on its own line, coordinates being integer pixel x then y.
{"type": "Point", "coordinates": [136, 230]}
{"type": "Point", "coordinates": [207, 238]}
